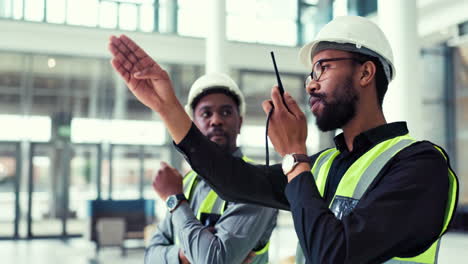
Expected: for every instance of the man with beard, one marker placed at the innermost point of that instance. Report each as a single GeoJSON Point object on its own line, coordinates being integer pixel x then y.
{"type": "Point", "coordinates": [201, 227]}
{"type": "Point", "coordinates": [377, 196]}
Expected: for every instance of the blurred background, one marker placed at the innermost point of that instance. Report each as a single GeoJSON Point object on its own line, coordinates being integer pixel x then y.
{"type": "Point", "coordinates": [76, 148]}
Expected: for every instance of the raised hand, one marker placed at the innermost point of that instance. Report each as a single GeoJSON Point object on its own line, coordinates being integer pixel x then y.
{"type": "Point", "coordinates": [150, 84]}
{"type": "Point", "coordinates": [288, 125]}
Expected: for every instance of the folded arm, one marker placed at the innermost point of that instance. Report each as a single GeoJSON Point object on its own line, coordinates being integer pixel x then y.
{"type": "Point", "coordinates": [161, 249]}
{"type": "Point", "coordinates": [237, 232]}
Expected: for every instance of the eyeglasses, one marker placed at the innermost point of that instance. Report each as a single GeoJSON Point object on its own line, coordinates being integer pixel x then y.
{"type": "Point", "coordinates": [318, 69]}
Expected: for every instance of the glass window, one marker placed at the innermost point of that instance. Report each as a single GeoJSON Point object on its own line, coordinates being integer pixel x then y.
{"type": "Point", "coordinates": [8, 180]}
{"type": "Point", "coordinates": [56, 11]}
{"type": "Point", "coordinates": [309, 28]}
{"type": "Point", "coordinates": [433, 97]}
{"type": "Point", "coordinates": [128, 17]}
{"type": "Point", "coordinates": [185, 76]}
{"type": "Point", "coordinates": [461, 119]}
{"type": "Point", "coordinates": [146, 17]}
{"type": "Point", "coordinates": [82, 186]}
{"type": "Point", "coordinates": [11, 68]}
{"type": "Point", "coordinates": [18, 127]}
{"type": "Point", "coordinates": [127, 14]}
{"type": "Point", "coordinates": [46, 209]}
{"type": "Point", "coordinates": [108, 15]}
{"type": "Point", "coordinates": [262, 21]}
{"type": "Point", "coordinates": [272, 22]}
{"type": "Point", "coordinates": [6, 8]}
{"type": "Point", "coordinates": [340, 8]}
{"type": "Point", "coordinates": [18, 9]}
{"type": "Point", "coordinates": [125, 172]}
{"type": "Point", "coordinates": [82, 12]}
{"type": "Point", "coordinates": [34, 10]}
{"type": "Point", "coordinates": [257, 86]}
{"type": "Point", "coordinates": [190, 21]}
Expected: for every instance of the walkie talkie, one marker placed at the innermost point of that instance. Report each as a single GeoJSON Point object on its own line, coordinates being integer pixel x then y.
{"type": "Point", "coordinates": [281, 90]}
{"type": "Point", "coordinates": [278, 79]}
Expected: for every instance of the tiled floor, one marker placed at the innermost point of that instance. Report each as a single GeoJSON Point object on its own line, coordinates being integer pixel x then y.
{"type": "Point", "coordinates": [454, 250]}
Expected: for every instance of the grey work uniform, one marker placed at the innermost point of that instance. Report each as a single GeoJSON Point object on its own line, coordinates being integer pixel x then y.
{"type": "Point", "coordinates": [240, 229]}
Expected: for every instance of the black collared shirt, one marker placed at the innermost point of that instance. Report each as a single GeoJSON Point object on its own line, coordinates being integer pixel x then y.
{"type": "Point", "coordinates": [362, 143]}
{"type": "Point", "coordinates": [401, 214]}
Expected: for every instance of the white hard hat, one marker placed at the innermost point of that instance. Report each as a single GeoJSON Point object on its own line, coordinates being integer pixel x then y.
{"type": "Point", "coordinates": [214, 80]}
{"type": "Point", "coordinates": [365, 36]}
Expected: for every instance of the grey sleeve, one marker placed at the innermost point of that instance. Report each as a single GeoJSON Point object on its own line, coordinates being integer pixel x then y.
{"type": "Point", "coordinates": [238, 231]}
{"type": "Point", "coordinates": [161, 249]}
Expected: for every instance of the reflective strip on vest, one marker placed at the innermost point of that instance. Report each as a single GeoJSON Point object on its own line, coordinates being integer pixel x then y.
{"type": "Point", "coordinates": [362, 173]}
{"type": "Point", "coordinates": [212, 204]}
{"type": "Point", "coordinates": [322, 165]}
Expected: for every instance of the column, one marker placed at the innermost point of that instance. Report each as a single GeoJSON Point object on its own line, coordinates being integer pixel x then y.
{"type": "Point", "coordinates": [171, 17]}
{"type": "Point", "coordinates": [399, 19]}
{"type": "Point", "coordinates": [216, 37]}
{"type": "Point", "coordinates": [120, 105]}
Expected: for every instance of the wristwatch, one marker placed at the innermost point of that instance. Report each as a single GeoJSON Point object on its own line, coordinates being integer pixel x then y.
{"type": "Point", "coordinates": [290, 161]}
{"type": "Point", "coordinates": [174, 200]}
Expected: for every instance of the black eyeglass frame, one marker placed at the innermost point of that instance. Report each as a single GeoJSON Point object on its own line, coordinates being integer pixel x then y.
{"type": "Point", "coordinates": [313, 76]}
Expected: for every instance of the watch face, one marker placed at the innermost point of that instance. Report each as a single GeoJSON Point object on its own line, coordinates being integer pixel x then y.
{"type": "Point", "coordinates": [288, 163]}
{"type": "Point", "coordinates": [171, 201]}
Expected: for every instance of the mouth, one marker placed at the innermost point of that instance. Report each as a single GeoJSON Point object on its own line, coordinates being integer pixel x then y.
{"type": "Point", "coordinates": [314, 103]}
{"type": "Point", "coordinates": [217, 134]}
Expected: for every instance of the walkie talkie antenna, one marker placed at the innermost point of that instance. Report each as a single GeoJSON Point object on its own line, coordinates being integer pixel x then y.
{"type": "Point", "coordinates": [278, 79]}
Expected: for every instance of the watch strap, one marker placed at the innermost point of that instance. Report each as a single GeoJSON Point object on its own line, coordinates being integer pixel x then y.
{"type": "Point", "coordinates": [180, 197]}
{"type": "Point", "coordinates": [301, 158]}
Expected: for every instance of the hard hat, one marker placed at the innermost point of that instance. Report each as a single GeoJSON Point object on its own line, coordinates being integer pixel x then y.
{"type": "Point", "coordinates": [365, 35]}
{"type": "Point", "coordinates": [214, 80]}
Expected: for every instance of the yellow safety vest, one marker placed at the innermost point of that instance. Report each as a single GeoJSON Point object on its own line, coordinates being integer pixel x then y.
{"type": "Point", "coordinates": [361, 174]}
{"type": "Point", "coordinates": [212, 204]}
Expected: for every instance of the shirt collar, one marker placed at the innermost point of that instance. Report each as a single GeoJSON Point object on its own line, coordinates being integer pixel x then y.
{"type": "Point", "coordinates": [238, 153]}
{"type": "Point", "coordinates": [372, 137]}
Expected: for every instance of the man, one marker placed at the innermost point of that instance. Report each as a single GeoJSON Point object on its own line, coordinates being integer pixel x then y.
{"type": "Point", "coordinates": [202, 228]}
{"type": "Point", "coordinates": [378, 196]}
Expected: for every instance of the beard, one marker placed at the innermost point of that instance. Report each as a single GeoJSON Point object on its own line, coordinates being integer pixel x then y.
{"type": "Point", "coordinates": [226, 144]}
{"type": "Point", "coordinates": [338, 111]}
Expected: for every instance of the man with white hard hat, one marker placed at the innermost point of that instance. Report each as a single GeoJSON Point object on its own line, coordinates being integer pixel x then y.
{"type": "Point", "coordinates": [378, 196]}
{"type": "Point", "coordinates": [201, 227]}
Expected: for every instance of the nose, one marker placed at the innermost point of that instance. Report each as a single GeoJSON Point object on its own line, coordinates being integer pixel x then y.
{"type": "Point", "coordinates": [312, 87]}
{"type": "Point", "coordinates": [216, 119]}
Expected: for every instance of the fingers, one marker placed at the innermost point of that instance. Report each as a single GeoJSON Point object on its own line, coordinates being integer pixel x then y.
{"type": "Point", "coordinates": [176, 172]}
{"type": "Point", "coordinates": [168, 168]}
{"type": "Point", "coordinates": [129, 59]}
{"type": "Point", "coordinates": [121, 70]}
{"type": "Point", "coordinates": [132, 46]}
{"type": "Point", "coordinates": [150, 73]}
{"type": "Point", "coordinates": [277, 100]}
{"type": "Point", "coordinates": [122, 53]}
{"type": "Point", "coordinates": [267, 105]}
{"type": "Point", "coordinates": [128, 53]}
{"type": "Point", "coordinates": [293, 106]}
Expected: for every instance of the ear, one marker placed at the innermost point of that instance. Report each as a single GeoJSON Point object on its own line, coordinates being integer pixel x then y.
{"type": "Point", "coordinates": [240, 124]}
{"type": "Point", "coordinates": [368, 70]}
